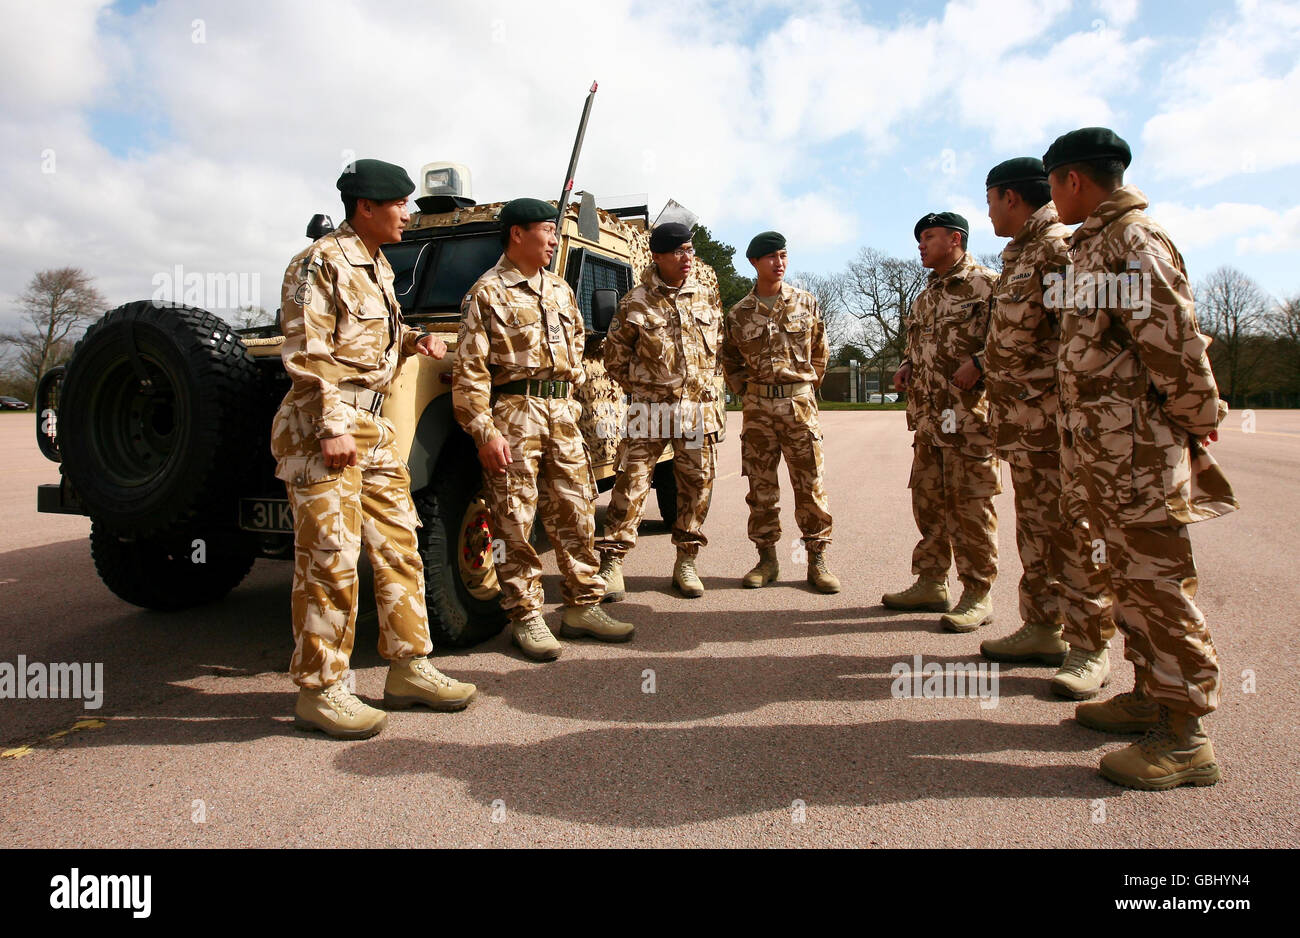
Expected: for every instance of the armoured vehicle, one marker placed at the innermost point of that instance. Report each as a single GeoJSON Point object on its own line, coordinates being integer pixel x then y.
{"type": "Point", "coordinates": [161, 419]}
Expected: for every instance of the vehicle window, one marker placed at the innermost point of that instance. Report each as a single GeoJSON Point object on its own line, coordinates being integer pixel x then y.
{"type": "Point", "coordinates": [588, 272]}
{"type": "Point", "coordinates": [455, 267]}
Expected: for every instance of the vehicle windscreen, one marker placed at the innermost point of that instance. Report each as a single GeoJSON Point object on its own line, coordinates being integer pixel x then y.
{"type": "Point", "coordinates": [432, 275]}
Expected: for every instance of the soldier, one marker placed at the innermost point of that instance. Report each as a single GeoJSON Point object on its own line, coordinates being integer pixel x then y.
{"type": "Point", "coordinates": [1064, 601]}
{"type": "Point", "coordinates": [955, 473]}
{"type": "Point", "coordinates": [1138, 405]}
{"type": "Point", "coordinates": [661, 348]}
{"type": "Point", "coordinates": [518, 358]}
{"type": "Point", "coordinates": [344, 340]}
{"type": "Point", "coordinates": [774, 353]}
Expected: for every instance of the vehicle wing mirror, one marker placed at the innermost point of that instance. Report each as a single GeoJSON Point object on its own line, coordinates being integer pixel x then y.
{"type": "Point", "coordinates": [319, 226]}
{"type": "Point", "coordinates": [604, 303]}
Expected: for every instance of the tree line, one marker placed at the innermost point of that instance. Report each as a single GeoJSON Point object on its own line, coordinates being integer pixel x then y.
{"type": "Point", "coordinates": [1255, 347]}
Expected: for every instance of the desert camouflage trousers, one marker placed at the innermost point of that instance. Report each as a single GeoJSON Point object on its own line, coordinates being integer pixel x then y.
{"type": "Point", "coordinates": [776, 427]}
{"type": "Point", "coordinates": [1062, 580]}
{"type": "Point", "coordinates": [1153, 577]}
{"type": "Point", "coordinates": [694, 466]}
{"type": "Point", "coordinates": [550, 460]}
{"type": "Point", "coordinates": [334, 512]}
{"type": "Point", "coordinates": [952, 502]}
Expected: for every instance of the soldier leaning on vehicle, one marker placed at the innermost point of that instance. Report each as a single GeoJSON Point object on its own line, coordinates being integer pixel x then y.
{"type": "Point", "coordinates": [1138, 405]}
{"type": "Point", "coordinates": [518, 357]}
{"type": "Point", "coordinates": [344, 340]}
{"type": "Point", "coordinates": [661, 348]}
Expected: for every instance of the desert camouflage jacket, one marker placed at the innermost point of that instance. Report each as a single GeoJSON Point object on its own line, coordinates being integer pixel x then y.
{"type": "Point", "coordinates": [662, 344]}
{"type": "Point", "coordinates": [948, 324]}
{"type": "Point", "coordinates": [786, 347]}
{"type": "Point", "coordinates": [341, 323]}
{"type": "Point", "coordinates": [1019, 355]}
{"type": "Point", "coordinates": [508, 332]}
{"type": "Point", "coordinates": [1136, 386]}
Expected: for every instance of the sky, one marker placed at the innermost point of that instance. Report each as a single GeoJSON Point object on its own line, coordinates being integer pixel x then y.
{"type": "Point", "coordinates": [142, 137]}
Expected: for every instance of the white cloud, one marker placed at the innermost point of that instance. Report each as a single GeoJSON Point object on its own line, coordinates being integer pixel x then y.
{"type": "Point", "coordinates": [1116, 13]}
{"type": "Point", "coordinates": [1256, 229]}
{"type": "Point", "coordinates": [1229, 104]}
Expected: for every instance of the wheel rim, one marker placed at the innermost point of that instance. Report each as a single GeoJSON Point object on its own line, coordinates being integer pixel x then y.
{"type": "Point", "coordinates": [137, 433]}
{"type": "Point", "coordinates": [474, 552]}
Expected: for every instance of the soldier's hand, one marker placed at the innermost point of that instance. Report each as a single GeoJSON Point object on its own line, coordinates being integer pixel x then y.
{"type": "Point", "coordinates": [495, 455]}
{"type": "Point", "coordinates": [431, 345]}
{"type": "Point", "coordinates": [339, 451]}
{"type": "Point", "coordinates": [902, 376]}
{"type": "Point", "coordinates": [967, 376]}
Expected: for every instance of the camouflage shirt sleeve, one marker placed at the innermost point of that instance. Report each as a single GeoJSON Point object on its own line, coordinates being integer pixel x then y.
{"type": "Point", "coordinates": [308, 322]}
{"type": "Point", "coordinates": [471, 384]}
{"type": "Point", "coordinates": [410, 338]}
{"type": "Point", "coordinates": [577, 335]}
{"type": "Point", "coordinates": [733, 363]}
{"type": "Point", "coordinates": [1171, 345]}
{"type": "Point", "coordinates": [620, 346]}
{"type": "Point", "coordinates": [820, 353]}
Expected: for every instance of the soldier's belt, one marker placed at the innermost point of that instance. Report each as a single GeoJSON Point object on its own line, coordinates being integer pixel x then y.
{"type": "Point", "coordinates": [779, 390]}
{"type": "Point", "coordinates": [534, 387]}
{"type": "Point", "coordinates": [361, 398]}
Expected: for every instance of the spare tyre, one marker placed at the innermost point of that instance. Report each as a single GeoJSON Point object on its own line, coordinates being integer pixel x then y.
{"type": "Point", "coordinates": [152, 417]}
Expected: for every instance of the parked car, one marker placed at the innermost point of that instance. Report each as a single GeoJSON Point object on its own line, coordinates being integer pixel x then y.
{"type": "Point", "coordinates": [882, 398]}
{"type": "Point", "coordinates": [12, 403]}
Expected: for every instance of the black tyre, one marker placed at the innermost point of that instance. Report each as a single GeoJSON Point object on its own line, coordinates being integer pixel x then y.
{"type": "Point", "coordinates": [665, 486]}
{"type": "Point", "coordinates": [153, 417]}
{"type": "Point", "coordinates": [460, 585]}
{"type": "Point", "coordinates": [177, 571]}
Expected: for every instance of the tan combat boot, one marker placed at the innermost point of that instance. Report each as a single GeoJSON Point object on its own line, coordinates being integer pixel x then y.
{"type": "Point", "coordinates": [414, 681]}
{"type": "Point", "coordinates": [336, 711]}
{"type": "Point", "coordinates": [765, 571]}
{"type": "Point", "coordinates": [926, 595]}
{"type": "Point", "coordinates": [1082, 674]}
{"type": "Point", "coordinates": [596, 622]}
{"type": "Point", "coordinates": [611, 571]}
{"type": "Point", "coordinates": [1035, 641]}
{"type": "Point", "coordinates": [822, 579]}
{"type": "Point", "coordinates": [685, 578]}
{"type": "Point", "coordinates": [534, 638]}
{"type": "Point", "coordinates": [973, 610]}
{"type": "Point", "coordinates": [1132, 712]}
{"type": "Point", "coordinates": [1174, 752]}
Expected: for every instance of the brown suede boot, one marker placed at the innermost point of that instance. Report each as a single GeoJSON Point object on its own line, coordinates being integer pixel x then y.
{"type": "Point", "coordinates": [1174, 752]}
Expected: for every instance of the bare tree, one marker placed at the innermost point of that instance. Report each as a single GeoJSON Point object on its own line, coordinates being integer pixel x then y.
{"type": "Point", "coordinates": [56, 304]}
{"type": "Point", "coordinates": [878, 290]}
{"type": "Point", "coordinates": [992, 261]}
{"type": "Point", "coordinates": [829, 291]}
{"type": "Point", "coordinates": [1234, 311]}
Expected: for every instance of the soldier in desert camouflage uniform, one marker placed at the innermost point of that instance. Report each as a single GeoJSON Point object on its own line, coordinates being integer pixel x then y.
{"type": "Point", "coordinates": [955, 473]}
{"type": "Point", "coordinates": [661, 348]}
{"type": "Point", "coordinates": [344, 340]}
{"type": "Point", "coordinates": [774, 353]}
{"type": "Point", "coordinates": [1064, 601]}
{"type": "Point", "coordinates": [517, 359]}
{"type": "Point", "coordinates": [1139, 403]}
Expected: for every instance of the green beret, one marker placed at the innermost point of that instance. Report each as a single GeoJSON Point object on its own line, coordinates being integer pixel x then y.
{"type": "Point", "coordinates": [375, 179]}
{"type": "Point", "coordinates": [941, 220]}
{"type": "Point", "coordinates": [1020, 169]}
{"type": "Point", "coordinates": [525, 211]}
{"type": "Point", "coordinates": [1089, 143]}
{"type": "Point", "coordinates": [768, 242]}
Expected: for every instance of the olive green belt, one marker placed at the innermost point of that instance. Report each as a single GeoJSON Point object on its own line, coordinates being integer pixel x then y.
{"type": "Point", "coordinates": [534, 387]}
{"type": "Point", "coordinates": [778, 390]}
